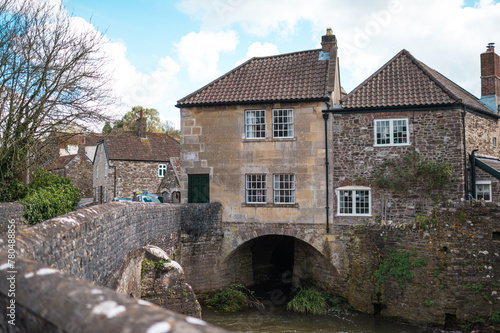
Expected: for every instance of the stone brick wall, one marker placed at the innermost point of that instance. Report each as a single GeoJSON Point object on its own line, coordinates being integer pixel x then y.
{"type": "Point", "coordinates": [80, 173]}
{"type": "Point", "coordinates": [460, 280]}
{"type": "Point", "coordinates": [11, 211]}
{"type": "Point", "coordinates": [213, 142]}
{"type": "Point", "coordinates": [48, 300]}
{"type": "Point", "coordinates": [435, 135]}
{"type": "Point", "coordinates": [139, 176]}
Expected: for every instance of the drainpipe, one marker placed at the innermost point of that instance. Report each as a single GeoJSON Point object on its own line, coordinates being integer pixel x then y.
{"type": "Point", "coordinates": [473, 172]}
{"type": "Point", "coordinates": [325, 117]}
{"type": "Point", "coordinates": [465, 157]}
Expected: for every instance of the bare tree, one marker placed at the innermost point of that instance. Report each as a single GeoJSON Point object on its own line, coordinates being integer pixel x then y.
{"type": "Point", "coordinates": [52, 78]}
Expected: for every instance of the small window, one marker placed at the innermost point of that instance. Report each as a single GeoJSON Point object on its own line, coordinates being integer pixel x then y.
{"type": "Point", "coordinates": [483, 190]}
{"type": "Point", "coordinates": [256, 189]}
{"type": "Point", "coordinates": [117, 190]}
{"type": "Point", "coordinates": [283, 123]}
{"type": "Point", "coordinates": [284, 189]}
{"type": "Point", "coordinates": [97, 172]}
{"type": "Point", "coordinates": [96, 194]}
{"type": "Point", "coordinates": [354, 201]}
{"type": "Point", "coordinates": [162, 168]}
{"type": "Point", "coordinates": [494, 142]}
{"type": "Point", "coordinates": [391, 132]}
{"type": "Point", "coordinates": [105, 170]}
{"type": "Point", "coordinates": [255, 124]}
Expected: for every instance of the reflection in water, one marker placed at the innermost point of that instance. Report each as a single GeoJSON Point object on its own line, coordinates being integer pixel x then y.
{"type": "Point", "coordinates": [276, 319]}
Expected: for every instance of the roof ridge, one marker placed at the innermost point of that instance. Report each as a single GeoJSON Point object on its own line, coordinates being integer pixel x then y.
{"type": "Point", "coordinates": [424, 68]}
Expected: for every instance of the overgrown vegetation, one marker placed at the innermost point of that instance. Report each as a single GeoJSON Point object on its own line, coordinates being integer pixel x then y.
{"type": "Point", "coordinates": [399, 266]}
{"type": "Point", "coordinates": [308, 301]}
{"type": "Point", "coordinates": [231, 299]}
{"type": "Point", "coordinates": [402, 176]}
{"type": "Point", "coordinates": [48, 196]}
{"type": "Point", "coordinates": [495, 318]}
{"type": "Point", "coordinates": [156, 265]}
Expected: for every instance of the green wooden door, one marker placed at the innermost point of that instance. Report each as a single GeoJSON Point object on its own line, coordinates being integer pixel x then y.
{"type": "Point", "coordinates": [198, 188]}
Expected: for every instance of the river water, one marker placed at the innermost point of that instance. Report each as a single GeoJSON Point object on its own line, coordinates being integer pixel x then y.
{"type": "Point", "coordinates": [279, 320]}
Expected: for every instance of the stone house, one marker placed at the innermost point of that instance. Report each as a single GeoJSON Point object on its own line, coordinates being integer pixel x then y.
{"type": "Point", "coordinates": [72, 157]}
{"type": "Point", "coordinates": [253, 139]}
{"type": "Point", "coordinates": [77, 167]}
{"type": "Point", "coordinates": [403, 108]}
{"type": "Point", "coordinates": [126, 162]}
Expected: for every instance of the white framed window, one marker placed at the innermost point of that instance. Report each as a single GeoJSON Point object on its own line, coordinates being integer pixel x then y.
{"type": "Point", "coordinates": [255, 189]}
{"type": "Point", "coordinates": [391, 132]}
{"type": "Point", "coordinates": [483, 190]}
{"type": "Point", "coordinates": [354, 201]}
{"type": "Point", "coordinates": [255, 124]}
{"type": "Point", "coordinates": [105, 170]}
{"type": "Point", "coordinates": [162, 169]}
{"type": "Point", "coordinates": [283, 123]}
{"type": "Point", "coordinates": [97, 194]}
{"type": "Point", "coordinates": [97, 172]}
{"type": "Point", "coordinates": [494, 141]}
{"type": "Point", "coordinates": [284, 188]}
{"type": "Point", "coordinates": [105, 194]}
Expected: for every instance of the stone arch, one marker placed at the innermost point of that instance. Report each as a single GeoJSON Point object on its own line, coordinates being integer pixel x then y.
{"type": "Point", "coordinates": [237, 234]}
{"type": "Point", "coordinates": [311, 265]}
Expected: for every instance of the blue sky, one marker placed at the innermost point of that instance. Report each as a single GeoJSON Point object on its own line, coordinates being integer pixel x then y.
{"type": "Point", "coordinates": [163, 50]}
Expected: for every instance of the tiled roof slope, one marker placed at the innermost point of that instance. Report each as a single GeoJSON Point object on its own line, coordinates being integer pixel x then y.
{"type": "Point", "coordinates": [59, 162]}
{"type": "Point", "coordinates": [405, 81]}
{"type": "Point", "coordinates": [129, 146]}
{"type": "Point", "coordinates": [293, 76]}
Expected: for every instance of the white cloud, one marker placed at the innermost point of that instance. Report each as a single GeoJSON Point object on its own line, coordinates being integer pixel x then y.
{"type": "Point", "coordinates": [258, 49]}
{"type": "Point", "coordinates": [445, 34]}
{"type": "Point", "coordinates": [200, 52]}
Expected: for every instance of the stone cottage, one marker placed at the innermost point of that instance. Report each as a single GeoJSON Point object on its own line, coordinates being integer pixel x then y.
{"type": "Point", "coordinates": [253, 139]}
{"type": "Point", "coordinates": [77, 167]}
{"type": "Point", "coordinates": [407, 108]}
{"type": "Point", "coordinates": [72, 157]}
{"type": "Point", "coordinates": [126, 162]}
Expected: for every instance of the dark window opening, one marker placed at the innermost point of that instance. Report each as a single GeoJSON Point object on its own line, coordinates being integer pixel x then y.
{"type": "Point", "coordinates": [495, 235]}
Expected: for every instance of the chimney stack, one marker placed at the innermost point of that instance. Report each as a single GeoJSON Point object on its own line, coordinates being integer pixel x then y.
{"type": "Point", "coordinates": [142, 125]}
{"type": "Point", "coordinates": [490, 78]}
{"type": "Point", "coordinates": [328, 40]}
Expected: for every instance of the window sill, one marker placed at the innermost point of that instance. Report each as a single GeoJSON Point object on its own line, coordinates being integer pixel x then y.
{"type": "Point", "coordinates": [269, 140]}
{"type": "Point", "coordinates": [354, 215]}
{"type": "Point", "coordinates": [393, 145]}
{"type": "Point", "coordinates": [270, 205]}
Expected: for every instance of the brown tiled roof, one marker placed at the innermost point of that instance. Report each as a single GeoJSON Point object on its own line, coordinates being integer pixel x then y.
{"type": "Point", "coordinates": [59, 162]}
{"type": "Point", "coordinates": [292, 76]}
{"type": "Point", "coordinates": [405, 81]}
{"type": "Point", "coordinates": [129, 146]}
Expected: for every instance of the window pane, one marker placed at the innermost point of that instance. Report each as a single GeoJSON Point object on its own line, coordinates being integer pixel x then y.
{"type": "Point", "coordinates": [383, 132]}
{"type": "Point", "coordinates": [255, 124]}
{"type": "Point", "coordinates": [284, 188]}
{"type": "Point", "coordinates": [283, 123]}
{"type": "Point", "coordinates": [345, 202]}
{"type": "Point", "coordinates": [483, 192]}
{"type": "Point", "coordinates": [400, 131]}
{"type": "Point", "coordinates": [362, 202]}
{"type": "Point", "coordinates": [256, 189]}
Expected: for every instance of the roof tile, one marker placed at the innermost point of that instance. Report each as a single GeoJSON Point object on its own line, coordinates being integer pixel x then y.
{"type": "Point", "coordinates": [293, 76]}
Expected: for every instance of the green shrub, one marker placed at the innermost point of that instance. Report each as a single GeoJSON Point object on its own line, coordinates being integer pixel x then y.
{"type": "Point", "coordinates": [11, 190]}
{"type": "Point", "coordinates": [43, 178]}
{"type": "Point", "coordinates": [231, 299]}
{"type": "Point", "coordinates": [495, 318]}
{"type": "Point", "coordinates": [308, 301]}
{"type": "Point", "coordinates": [48, 202]}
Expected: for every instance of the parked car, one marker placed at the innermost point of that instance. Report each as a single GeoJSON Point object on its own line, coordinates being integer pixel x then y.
{"type": "Point", "coordinates": [121, 199]}
{"type": "Point", "coordinates": [144, 196]}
